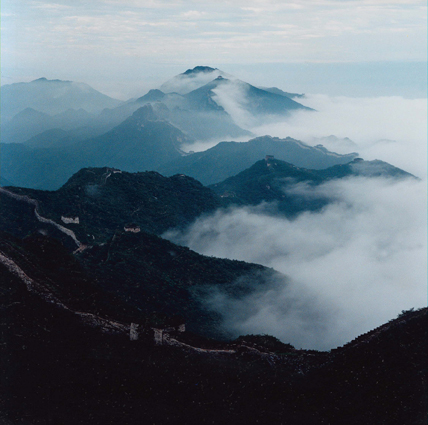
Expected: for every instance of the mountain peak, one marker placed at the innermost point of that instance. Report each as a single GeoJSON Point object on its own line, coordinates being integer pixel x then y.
{"type": "Point", "coordinates": [145, 113]}
{"type": "Point", "coordinates": [45, 80]}
{"type": "Point", "coordinates": [199, 69]}
{"type": "Point", "coordinates": [191, 80]}
{"type": "Point", "coordinates": [153, 95]}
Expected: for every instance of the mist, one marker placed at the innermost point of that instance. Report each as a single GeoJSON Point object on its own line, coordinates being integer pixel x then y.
{"type": "Point", "coordinates": [355, 264]}
{"type": "Point", "coordinates": [183, 84]}
{"type": "Point", "coordinates": [393, 129]}
{"type": "Point", "coordinates": [349, 268]}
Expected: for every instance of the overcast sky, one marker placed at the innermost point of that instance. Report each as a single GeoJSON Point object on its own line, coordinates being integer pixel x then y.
{"type": "Point", "coordinates": [125, 45]}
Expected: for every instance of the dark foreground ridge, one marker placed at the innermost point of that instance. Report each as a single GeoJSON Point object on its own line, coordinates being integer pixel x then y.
{"type": "Point", "coordinates": [63, 365]}
{"type": "Point", "coordinates": [105, 322]}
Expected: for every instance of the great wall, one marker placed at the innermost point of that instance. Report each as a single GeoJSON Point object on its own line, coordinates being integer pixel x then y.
{"type": "Point", "coordinates": [35, 204]}
{"type": "Point", "coordinates": [160, 336]}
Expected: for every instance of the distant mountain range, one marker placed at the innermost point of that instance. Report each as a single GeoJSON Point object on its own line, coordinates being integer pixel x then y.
{"type": "Point", "coordinates": [190, 101]}
{"type": "Point", "coordinates": [142, 142]}
{"type": "Point", "coordinates": [52, 97]}
{"type": "Point", "coordinates": [52, 128]}
{"type": "Point", "coordinates": [228, 158]}
{"type": "Point", "coordinates": [147, 141]}
{"type": "Point", "coordinates": [29, 124]}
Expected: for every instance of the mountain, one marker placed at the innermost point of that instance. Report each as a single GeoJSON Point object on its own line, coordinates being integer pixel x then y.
{"type": "Point", "coordinates": [195, 78]}
{"type": "Point", "coordinates": [191, 79]}
{"type": "Point", "coordinates": [361, 168]}
{"type": "Point", "coordinates": [203, 102]}
{"type": "Point", "coordinates": [267, 181]}
{"type": "Point", "coordinates": [151, 96]}
{"type": "Point", "coordinates": [150, 275]}
{"type": "Point", "coordinates": [272, 180]}
{"type": "Point", "coordinates": [24, 125]}
{"type": "Point", "coordinates": [220, 92]}
{"type": "Point", "coordinates": [72, 351]}
{"type": "Point", "coordinates": [193, 118]}
{"type": "Point", "coordinates": [29, 123]}
{"type": "Point", "coordinates": [141, 142]}
{"type": "Point", "coordinates": [106, 321]}
{"type": "Point", "coordinates": [106, 200]}
{"type": "Point", "coordinates": [276, 90]}
{"type": "Point", "coordinates": [52, 97]}
{"type": "Point", "coordinates": [229, 158]}
{"type": "Point", "coordinates": [95, 203]}
{"type": "Point", "coordinates": [204, 107]}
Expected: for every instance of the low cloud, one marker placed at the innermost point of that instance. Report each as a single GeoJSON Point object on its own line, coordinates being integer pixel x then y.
{"type": "Point", "coordinates": [232, 97]}
{"type": "Point", "coordinates": [203, 145]}
{"type": "Point", "coordinates": [351, 267]}
{"type": "Point", "coordinates": [392, 129]}
{"type": "Point", "coordinates": [185, 83]}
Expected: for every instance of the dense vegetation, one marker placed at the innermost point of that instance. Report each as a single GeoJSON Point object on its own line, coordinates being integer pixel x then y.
{"type": "Point", "coordinates": [142, 270]}
{"type": "Point", "coordinates": [105, 200]}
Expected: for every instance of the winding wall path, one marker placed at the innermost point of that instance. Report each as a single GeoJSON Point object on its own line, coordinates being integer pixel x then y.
{"type": "Point", "coordinates": [35, 204]}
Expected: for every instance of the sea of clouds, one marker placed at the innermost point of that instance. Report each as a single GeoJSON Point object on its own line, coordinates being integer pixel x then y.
{"type": "Point", "coordinates": [351, 266]}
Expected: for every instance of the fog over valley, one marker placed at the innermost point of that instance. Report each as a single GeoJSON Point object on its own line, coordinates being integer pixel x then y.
{"type": "Point", "coordinates": [389, 128]}
{"type": "Point", "coordinates": [293, 194]}
{"type": "Point", "coordinates": [213, 212]}
{"type": "Point", "coordinates": [349, 267]}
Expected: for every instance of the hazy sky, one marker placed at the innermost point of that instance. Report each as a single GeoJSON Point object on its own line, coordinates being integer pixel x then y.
{"type": "Point", "coordinates": [123, 46]}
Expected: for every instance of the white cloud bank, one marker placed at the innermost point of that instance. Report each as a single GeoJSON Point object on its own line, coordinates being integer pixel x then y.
{"type": "Point", "coordinates": [351, 267]}
{"type": "Point", "coordinates": [393, 129]}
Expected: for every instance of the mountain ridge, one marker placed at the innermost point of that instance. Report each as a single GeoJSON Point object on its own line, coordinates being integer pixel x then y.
{"type": "Point", "coordinates": [228, 158]}
{"type": "Point", "coordinates": [52, 97]}
{"type": "Point", "coordinates": [272, 180]}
